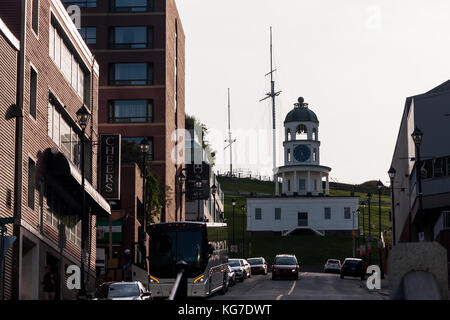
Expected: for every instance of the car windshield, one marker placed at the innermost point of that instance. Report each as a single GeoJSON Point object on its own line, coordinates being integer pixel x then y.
{"type": "Point", "coordinates": [285, 261]}
{"type": "Point", "coordinates": [333, 261]}
{"type": "Point", "coordinates": [123, 290]}
{"type": "Point", "coordinates": [234, 263]}
{"type": "Point", "coordinates": [255, 261]}
{"type": "Point", "coordinates": [352, 262]}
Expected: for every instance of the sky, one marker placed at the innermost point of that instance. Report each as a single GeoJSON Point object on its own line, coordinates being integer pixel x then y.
{"type": "Point", "coordinates": [353, 61]}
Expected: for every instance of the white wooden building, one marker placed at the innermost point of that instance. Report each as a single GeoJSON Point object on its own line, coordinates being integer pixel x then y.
{"type": "Point", "coordinates": [302, 204]}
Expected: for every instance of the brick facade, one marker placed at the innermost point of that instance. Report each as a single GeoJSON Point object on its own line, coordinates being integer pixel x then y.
{"type": "Point", "coordinates": [41, 242]}
{"type": "Point", "coordinates": [165, 21]}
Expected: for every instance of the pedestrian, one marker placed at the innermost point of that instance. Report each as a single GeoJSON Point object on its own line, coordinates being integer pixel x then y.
{"type": "Point", "coordinates": [49, 284]}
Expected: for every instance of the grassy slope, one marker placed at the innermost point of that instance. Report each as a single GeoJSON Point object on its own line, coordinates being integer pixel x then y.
{"type": "Point", "coordinates": [310, 250]}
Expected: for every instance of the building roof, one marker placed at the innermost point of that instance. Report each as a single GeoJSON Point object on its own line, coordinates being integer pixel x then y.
{"type": "Point", "coordinates": [301, 113]}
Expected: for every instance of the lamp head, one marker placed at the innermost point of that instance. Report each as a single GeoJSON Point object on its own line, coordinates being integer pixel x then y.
{"type": "Point", "coordinates": [391, 173]}
{"type": "Point", "coordinates": [145, 146]}
{"type": "Point", "coordinates": [417, 136]}
{"type": "Point", "coordinates": [83, 116]}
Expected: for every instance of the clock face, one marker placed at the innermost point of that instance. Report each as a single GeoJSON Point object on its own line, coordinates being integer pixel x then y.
{"type": "Point", "coordinates": [302, 153]}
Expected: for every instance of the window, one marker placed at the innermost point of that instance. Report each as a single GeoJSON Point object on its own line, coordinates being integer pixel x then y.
{"type": "Point", "coordinates": [64, 135]}
{"type": "Point", "coordinates": [301, 133]}
{"type": "Point", "coordinates": [89, 34]}
{"type": "Point", "coordinates": [132, 5]}
{"type": "Point", "coordinates": [131, 151]}
{"type": "Point", "coordinates": [301, 184]}
{"type": "Point", "coordinates": [73, 228]}
{"type": "Point", "coordinates": [438, 168]}
{"type": "Point", "coordinates": [128, 111]}
{"type": "Point", "coordinates": [31, 182]}
{"type": "Point", "coordinates": [68, 64]}
{"type": "Point", "coordinates": [277, 213]}
{"type": "Point", "coordinates": [81, 3]}
{"type": "Point", "coordinates": [33, 92]}
{"type": "Point", "coordinates": [302, 218]}
{"type": "Point", "coordinates": [52, 215]}
{"type": "Point", "coordinates": [131, 37]}
{"type": "Point", "coordinates": [258, 214]}
{"type": "Point", "coordinates": [426, 169]}
{"type": "Point", "coordinates": [347, 213]}
{"type": "Point", "coordinates": [315, 184]}
{"type": "Point", "coordinates": [35, 16]}
{"type": "Point", "coordinates": [289, 155]}
{"type": "Point", "coordinates": [327, 213]}
{"type": "Point", "coordinates": [315, 155]}
{"type": "Point", "coordinates": [134, 74]}
{"type": "Point", "coordinates": [446, 215]}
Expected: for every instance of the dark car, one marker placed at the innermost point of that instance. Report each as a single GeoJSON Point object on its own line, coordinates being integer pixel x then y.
{"type": "Point", "coordinates": [285, 265]}
{"type": "Point", "coordinates": [353, 267]}
{"type": "Point", "coordinates": [258, 265]}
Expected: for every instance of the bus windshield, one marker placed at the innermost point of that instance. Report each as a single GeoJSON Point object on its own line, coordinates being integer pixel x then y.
{"type": "Point", "coordinates": [169, 246]}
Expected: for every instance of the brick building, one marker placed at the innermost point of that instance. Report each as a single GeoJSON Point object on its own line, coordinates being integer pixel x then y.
{"type": "Point", "coordinates": [140, 49]}
{"type": "Point", "coordinates": [56, 75]}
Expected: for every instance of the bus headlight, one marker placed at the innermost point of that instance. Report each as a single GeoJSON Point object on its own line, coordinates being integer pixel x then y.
{"type": "Point", "coordinates": [199, 278]}
{"type": "Point", "coordinates": [153, 279]}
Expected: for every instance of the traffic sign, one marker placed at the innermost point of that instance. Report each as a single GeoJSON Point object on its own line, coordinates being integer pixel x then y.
{"type": "Point", "coordinates": [6, 220]}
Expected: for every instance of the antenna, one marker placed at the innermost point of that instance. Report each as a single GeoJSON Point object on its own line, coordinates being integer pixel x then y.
{"type": "Point", "coordinates": [230, 140]}
{"type": "Point", "coordinates": [272, 94]}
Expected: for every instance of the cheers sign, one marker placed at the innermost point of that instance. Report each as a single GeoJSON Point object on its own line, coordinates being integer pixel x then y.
{"type": "Point", "coordinates": [109, 179]}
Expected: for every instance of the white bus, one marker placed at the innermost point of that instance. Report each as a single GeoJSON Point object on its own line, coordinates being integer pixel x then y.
{"type": "Point", "coordinates": [203, 246]}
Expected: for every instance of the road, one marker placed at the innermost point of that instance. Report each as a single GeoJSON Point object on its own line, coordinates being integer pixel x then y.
{"type": "Point", "coordinates": [310, 286]}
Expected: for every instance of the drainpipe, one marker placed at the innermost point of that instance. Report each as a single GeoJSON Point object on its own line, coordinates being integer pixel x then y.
{"type": "Point", "coordinates": [18, 158]}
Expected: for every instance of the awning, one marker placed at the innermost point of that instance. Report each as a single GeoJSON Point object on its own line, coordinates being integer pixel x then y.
{"type": "Point", "coordinates": [59, 167]}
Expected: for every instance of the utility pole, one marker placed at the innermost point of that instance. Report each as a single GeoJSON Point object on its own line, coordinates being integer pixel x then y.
{"type": "Point", "coordinates": [230, 140]}
{"type": "Point", "coordinates": [272, 94]}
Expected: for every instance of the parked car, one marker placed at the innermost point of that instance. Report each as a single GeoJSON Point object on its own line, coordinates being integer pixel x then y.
{"type": "Point", "coordinates": [332, 265]}
{"type": "Point", "coordinates": [247, 268]}
{"type": "Point", "coordinates": [122, 291]}
{"type": "Point", "coordinates": [231, 276]}
{"type": "Point", "coordinates": [258, 265]}
{"type": "Point", "coordinates": [285, 265]}
{"type": "Point", "coordinates": [238, 269]}
{"type": "Point", "coordinates": [353, 267]}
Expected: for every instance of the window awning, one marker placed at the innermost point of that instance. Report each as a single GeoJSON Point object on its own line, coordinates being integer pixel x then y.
{"type": "Point", "coordinates": [59, 167]}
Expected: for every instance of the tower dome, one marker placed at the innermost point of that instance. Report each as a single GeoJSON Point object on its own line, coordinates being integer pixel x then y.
{"type": "Point", "coordinates": [301, 113]}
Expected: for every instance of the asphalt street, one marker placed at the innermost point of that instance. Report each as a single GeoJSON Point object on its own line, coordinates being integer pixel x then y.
{"type": "Point", "coordinates": [310, 286]}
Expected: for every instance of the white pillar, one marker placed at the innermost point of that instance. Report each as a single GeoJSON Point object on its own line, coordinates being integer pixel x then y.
{"type": "Point", "coordinates": [327, 185]}
{"type": "Point", "coordinates": [308, 189]}
{"type": "Point", "coordinates": [295, 184]}
{"type": "Point", "coordinates": [320, 183]}
{"type": "Point", "coordinates": [277, 191]}
{"type": "Point", "coordinates": [283, 185]}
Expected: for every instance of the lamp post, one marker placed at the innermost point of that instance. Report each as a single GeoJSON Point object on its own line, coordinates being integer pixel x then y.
{"type": "Point", "coordinates": [181, 180]}
{"type": "Point", "coordinates": [380, 187]}
{"type": "Point", "coordinates": [198, 186]}
{"type": "Point", "coordinates": [145, 147]}
{"type": "Point", "coordinates": [417, 136]}
{"type": "Point", "coordinates": [392, 173]}
{"type": "Point", "coordinates": [233, 203]}
{"type": "Point", "coordinates": [243, 230]}
{"type": "Point", "coordinates": [213, 191]}
{"type": "Point", "coordinates": [369, 196]}
{"type": "Point", "coordinates": [83, 116]}
{"type": "Point", "coordinates": [358, 211]}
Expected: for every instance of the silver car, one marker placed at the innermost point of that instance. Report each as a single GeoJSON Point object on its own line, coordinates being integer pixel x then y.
{"type": "Point", "coordinates": [332, 265]}
{"type": "Point", "coordinates": [122, 291]}
{"type": "Point", "coordinates": [238, 268]}
{"type": "Point", "coordinates": [247, 268]}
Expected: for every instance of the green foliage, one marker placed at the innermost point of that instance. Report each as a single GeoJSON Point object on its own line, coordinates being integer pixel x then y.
{"type": "Point", "coordinates": [192, 122]}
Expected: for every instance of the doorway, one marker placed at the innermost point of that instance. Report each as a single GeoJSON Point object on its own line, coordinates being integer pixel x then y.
{"type": "Point", "coordinates": [302, 219]}
{"type": "Point", "coordinates": [53, 263]}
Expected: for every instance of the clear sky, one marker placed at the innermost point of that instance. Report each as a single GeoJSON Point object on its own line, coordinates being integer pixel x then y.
{"type": "Point", "coordinates": [354, 62]}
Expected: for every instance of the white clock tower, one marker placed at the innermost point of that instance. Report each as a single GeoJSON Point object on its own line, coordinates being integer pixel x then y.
{"type": "Point", "coordinates": [302, 173]}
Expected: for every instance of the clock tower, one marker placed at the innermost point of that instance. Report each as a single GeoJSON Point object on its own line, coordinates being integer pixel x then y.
{"type": "Point", "coordinates": [302, 173]}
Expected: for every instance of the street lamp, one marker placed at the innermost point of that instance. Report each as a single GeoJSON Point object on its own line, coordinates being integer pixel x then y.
{"type": "Point", "coordinates": [181, 180]}
{"type": "Point", "coordinates": [392, 173]}
{"type": "Point", "coordinates": [233, 203]}
{"type": "Point", "coordinates": [198, 186]}
{"type": "Point", "coordinates": [417, 136]}
{"type": "Point", "coordinates": [145, 148]}
{"type": "Point", "coordinates": [353, 231]}
{"type": "Point", "coordinates": [243, 229]}
{"type": "Point", "coordinates": [213, 191]}
{"type": "Point", "coordinates": [380, 187]}
{"type": "Point", "coordinates": [369, 196]}
{"type": "Point", "coordinates": [83, 116]}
